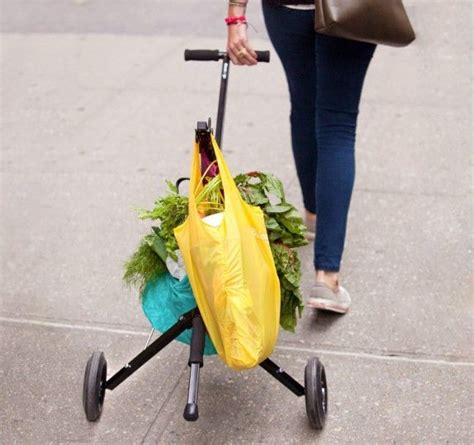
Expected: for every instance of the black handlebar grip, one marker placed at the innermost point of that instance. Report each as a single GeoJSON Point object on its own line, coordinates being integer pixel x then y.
{"type": "Point", "coordinates": [214, 54]}
{"type": "Point", "coordinates": [201, 54]}
{"type": "Point", "coordinates": [263, 56]}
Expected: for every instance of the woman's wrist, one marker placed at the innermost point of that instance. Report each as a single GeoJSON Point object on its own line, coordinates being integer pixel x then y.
{"type": "Point", "coordinates": [236, 8]}
{"type": "Point", "coordinates": [238, 47]}
{"type": "Point", "coordinates": [237, 4]}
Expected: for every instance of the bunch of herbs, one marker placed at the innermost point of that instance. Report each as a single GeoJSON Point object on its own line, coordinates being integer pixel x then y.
{"type": "Point", "coordinates": [145, 264]}
{"type": "Point", "coordinates": [169, 212]}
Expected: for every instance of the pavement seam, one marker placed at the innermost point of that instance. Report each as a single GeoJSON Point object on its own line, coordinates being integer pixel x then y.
{"type": "Point", "coordinates": [49, 324]}
{"type": "Point", "coordinates": [74, 322]}
{"type": "Point", "coordinates": [340, 353]}
{"type": "Point", "coordinates": [369, 356]}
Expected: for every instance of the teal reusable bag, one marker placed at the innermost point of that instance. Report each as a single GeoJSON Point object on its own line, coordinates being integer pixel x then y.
{"type": "Point", "coordinates": [164, 300]}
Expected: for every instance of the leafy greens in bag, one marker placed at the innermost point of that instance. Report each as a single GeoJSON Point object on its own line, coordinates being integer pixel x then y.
{"type": "Point", "coordinates": [285, 228]}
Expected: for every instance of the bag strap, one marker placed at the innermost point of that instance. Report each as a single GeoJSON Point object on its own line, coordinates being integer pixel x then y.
{"type": "Point", "coordinates": [195, 183]}
{"type": "Point", "coordinates": [231, 192]}
{"type": "Point", "coordinates": [228, 184]}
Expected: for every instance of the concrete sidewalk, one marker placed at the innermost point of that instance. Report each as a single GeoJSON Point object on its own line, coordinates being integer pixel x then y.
{"type": "Point", "coordinates": [98, 108]}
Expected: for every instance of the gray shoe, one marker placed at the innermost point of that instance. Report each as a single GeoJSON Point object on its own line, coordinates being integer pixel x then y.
{"type": "Point", "coordinates": [327, 299]}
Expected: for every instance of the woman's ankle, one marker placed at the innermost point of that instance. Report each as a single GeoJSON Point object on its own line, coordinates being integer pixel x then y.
{"type": "Point", "coordinates": [310, 217]}
{"type": "Point", "coordinates": [331, 279]}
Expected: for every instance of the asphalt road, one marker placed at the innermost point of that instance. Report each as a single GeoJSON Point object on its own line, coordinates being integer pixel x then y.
{"type": "Point", "coordinates": [98, 109]}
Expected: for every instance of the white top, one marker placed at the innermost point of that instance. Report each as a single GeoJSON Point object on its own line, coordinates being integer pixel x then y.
{"type": "Point", "coordinates": [300, 6]}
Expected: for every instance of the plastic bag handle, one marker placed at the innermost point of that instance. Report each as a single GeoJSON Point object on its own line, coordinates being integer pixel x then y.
{"type": "Point", "coordinates": [231, 191]}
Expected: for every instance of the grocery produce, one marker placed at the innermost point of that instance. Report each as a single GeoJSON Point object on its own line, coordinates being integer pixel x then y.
{"type": "Point", "coordinates": [285, 229]}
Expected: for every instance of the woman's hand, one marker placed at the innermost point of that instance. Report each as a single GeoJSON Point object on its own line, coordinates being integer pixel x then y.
{"type": "Point", "coordinates": [238, 47]}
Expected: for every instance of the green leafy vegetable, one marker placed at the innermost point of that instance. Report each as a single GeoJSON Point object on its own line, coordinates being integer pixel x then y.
{"type": "Point", "coordinates": [170, 211]}
{"type": "Point", "coordinates": [282, 220]}
{"type": "Point", "coordinates": [284, 226]}
{"type": "Point", "coordinates": [286, 231]}
{"type": "Point", "coordinates": [144, 265]}
{"type": "Point", "coordinates": [288, 268]}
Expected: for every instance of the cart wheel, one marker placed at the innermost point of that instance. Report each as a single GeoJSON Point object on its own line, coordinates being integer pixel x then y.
{"type": "Point", "coordinates": [94, 386]}
{"type": "Point", "coordinates": [316, 393]}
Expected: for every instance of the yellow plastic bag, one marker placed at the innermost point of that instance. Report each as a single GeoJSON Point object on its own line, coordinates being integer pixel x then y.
{"type": "Point", "coordinates": [232, 273]}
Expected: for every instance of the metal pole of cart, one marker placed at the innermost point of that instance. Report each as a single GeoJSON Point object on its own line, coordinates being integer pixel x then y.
{"type": "Point", "coordinates": [222, 99]}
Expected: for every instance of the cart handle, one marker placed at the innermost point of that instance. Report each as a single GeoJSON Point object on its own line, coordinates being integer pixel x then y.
{"type": "Point", "coordinates": [215, 54]}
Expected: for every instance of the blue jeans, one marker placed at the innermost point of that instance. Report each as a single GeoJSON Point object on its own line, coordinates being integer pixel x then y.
{"type": "Point", "coordinates": [325, 77]}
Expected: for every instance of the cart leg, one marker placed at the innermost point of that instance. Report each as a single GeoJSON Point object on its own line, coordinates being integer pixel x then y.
{"type": "Point", "coordinates": [184, 322]}
{"type": "Point", "coordinates": [195, 362]}
{"type": "Point", "coordinates": [284, 378]}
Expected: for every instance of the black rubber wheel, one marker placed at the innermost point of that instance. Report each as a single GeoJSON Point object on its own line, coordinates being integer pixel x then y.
{"type": "Point", "coordinates": [94, 386]}
{"type": "Point", "coordinates": [316, 393]}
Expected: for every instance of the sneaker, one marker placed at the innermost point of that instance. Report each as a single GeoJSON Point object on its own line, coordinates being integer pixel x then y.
{"type": "Point", "coordinates": [325, 298]}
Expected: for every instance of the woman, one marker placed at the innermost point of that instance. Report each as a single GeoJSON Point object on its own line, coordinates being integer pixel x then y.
{"type": "Point", "coordinates": [325, 77]}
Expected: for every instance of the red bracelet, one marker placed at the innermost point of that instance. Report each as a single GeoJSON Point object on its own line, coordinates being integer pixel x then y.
{"type": "Point", "coordinates": [236, 20]}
